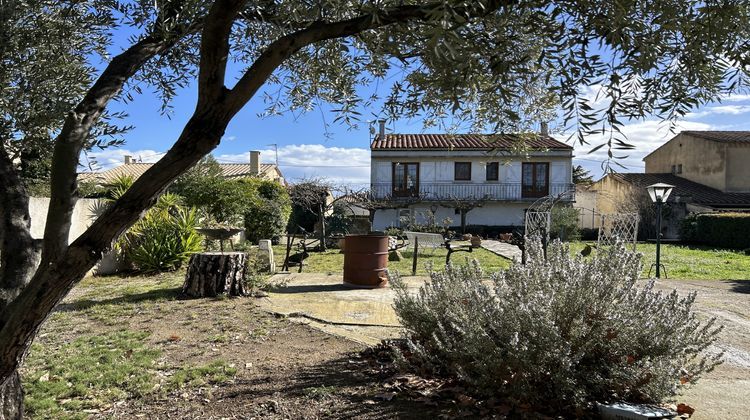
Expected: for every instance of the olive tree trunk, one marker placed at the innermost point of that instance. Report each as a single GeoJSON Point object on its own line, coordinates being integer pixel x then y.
{"type": "Point", "coordinates": [216, 273]}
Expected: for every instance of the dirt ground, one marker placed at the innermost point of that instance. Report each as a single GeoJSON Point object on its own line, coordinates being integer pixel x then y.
{"type": "Point", "coordinates": [289, 370]}
{"type": "Point", "coordinates": [285, 370]}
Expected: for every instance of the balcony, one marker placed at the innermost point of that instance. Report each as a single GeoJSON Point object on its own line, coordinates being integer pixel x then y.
{"type": "Point", "coordinates": [450, 191]}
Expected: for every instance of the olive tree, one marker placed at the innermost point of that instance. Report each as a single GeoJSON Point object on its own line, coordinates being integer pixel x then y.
{"type": "Point", "coordinates": [496, 65]}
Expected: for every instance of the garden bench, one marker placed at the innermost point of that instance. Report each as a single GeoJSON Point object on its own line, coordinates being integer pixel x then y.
{"type": "Point", "coordinates": [426, 240]}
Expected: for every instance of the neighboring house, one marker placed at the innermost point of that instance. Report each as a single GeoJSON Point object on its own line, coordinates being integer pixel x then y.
{"type": "Point", "coordinates": [718, 159]}
{"type": "Point", "coordinates": [709, 170]}
{"type": "Point", "coordinates": [416, 174]}
{"type": "Point", "coordinates": [229, 170]}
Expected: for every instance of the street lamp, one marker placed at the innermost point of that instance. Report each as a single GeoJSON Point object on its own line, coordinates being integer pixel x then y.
{"type": "Point", "coordinates": [659, 194]}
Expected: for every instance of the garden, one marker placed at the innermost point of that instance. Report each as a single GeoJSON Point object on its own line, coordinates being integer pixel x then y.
{"type": "Point", "coordinates": [484, 337]}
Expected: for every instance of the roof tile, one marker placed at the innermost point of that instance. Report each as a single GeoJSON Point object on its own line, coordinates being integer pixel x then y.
{"type": "Point", "coordinates": [464, 141]}
{"type": "Point", "coordinates": [135, 170]}
{"type": "Point", "coordinates": [698, 193]}
{"type": "Point", "coordinates": [722, 136]}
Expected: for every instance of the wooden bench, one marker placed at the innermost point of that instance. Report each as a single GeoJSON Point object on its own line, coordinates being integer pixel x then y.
{"type": "Point", "coordinates": [426, 240]}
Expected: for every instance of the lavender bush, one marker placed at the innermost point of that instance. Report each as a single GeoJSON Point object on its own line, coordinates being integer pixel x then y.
{"type": "Point", "coordinates": [564, 332]}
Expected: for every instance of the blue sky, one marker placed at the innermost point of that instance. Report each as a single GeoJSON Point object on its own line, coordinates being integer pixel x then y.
{"type": "Point", "coordinates": [305, 151]}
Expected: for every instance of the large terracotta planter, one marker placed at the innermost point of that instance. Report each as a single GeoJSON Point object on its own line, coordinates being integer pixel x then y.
{"type": "Point", "coordinates": [366, 261]}
{"type": "Point", "coordinates": [476, 241]}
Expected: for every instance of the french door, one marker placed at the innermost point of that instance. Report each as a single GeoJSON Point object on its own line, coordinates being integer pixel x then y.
{"type": "Point", "coordinates": [535, 180]}
{"type": "Point", "coordinates": [405, 179]}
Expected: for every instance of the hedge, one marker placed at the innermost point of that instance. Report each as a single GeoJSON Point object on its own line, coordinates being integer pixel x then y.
{"type": "Point", "coordinates": [724, 230]}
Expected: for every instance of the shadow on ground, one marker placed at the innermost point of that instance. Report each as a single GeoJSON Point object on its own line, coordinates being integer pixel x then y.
{"type": "Point", "coordinates": [343, 379]}
{"type": "Point", "coordinates": [739, 286]}
{"type": "Point", "coordinates": [170, 293]}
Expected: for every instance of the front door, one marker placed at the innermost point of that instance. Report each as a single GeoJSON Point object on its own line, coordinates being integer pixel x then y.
{"type": "Point", "coordinates": [405, 179]}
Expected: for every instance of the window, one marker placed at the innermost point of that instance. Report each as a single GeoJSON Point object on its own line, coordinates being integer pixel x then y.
{"type": "Point", "coordinates": [493, 171]}
{"type": "Point", "coordinates": [462, 171]}
{"type": "Point", "coordinates": [405, 179]}
{"type": "Point", "coordinates": [674, 169]}
{"type": "Point", "coordinates": [535, 179]}
{"type": "Point", "coordinates": [679, 168]}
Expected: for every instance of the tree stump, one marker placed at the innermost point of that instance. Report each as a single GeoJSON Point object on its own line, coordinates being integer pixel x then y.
{"type": "Point", "coordinates": [215, 273]}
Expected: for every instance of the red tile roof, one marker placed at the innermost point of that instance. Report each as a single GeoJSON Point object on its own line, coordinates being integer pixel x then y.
{"type": "Point", "coordinates": [465, 141]}
{"type": "Point", "coordinates": [135, 170]}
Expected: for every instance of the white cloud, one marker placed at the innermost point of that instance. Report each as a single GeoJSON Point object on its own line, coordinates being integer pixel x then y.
{"type": "Point", "coordinates": [646, 136]}
{"type": "Point", "coordinates": [720, 110]}
{"type": "Point", "coordinates": [110, 158]}
{"type": "Point", "coordinates": [737, 97]}
{"type": "Point", "coordinates": [341, 165]}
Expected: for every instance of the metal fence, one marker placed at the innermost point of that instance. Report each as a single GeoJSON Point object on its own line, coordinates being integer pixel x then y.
{"type": "Point", "coordinates": [436, 191]}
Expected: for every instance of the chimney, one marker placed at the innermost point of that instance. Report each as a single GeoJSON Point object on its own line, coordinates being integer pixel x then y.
{"type": "Point", "coordinates": [544, 129]}
{"type": "Point", "coordinates": [254, 162]}
{"type": "Point", "coordinates": [381, 127]}
{"type": "Point", "coordinates": [128, 159]}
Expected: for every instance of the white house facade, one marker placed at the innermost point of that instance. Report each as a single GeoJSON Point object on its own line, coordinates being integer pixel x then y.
{"type": "Point", "coordinates": [426, 174]}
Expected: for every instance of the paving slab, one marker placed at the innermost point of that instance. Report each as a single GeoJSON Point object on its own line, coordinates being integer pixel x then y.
{"type": "Point", "coordinates": [502, 249]}
{"type": "Point", "coordinates": [324, 302]}
{"type": "Point", "coordinates": [367, 316]}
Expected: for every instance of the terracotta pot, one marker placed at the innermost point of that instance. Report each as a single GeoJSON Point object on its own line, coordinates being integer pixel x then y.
{"type": "Point", "coordinates": [476, 241]}
{"type": "Point", "coordinates": [341, 243]}
{"type": "Point", "coordinates": [366, 261]}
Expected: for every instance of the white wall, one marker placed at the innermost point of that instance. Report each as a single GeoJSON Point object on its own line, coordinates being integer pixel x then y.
{"type": "Point", "coordinates": [493, 214]}
{"type": "Point", "coordinates": [441, 169]}
{"type": "Point", "coordinates": [83, 216]}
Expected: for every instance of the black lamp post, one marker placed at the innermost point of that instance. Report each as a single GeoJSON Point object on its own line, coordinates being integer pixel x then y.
{"type": "Point", "coordinates": [659, 194]}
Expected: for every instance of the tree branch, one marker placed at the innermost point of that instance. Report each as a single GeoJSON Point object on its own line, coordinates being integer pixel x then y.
{"type": "Point", "coordinates": [76, 129]}
{"type": "Point", "coordinates": [286, 46]}
{"type": "Point", "coordinates": [215, 50]}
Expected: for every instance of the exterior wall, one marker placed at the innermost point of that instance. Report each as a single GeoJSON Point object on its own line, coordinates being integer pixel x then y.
{"type": "Point", "coordinates": [437, 168]}
{"type": "Point", "coordinates": [738, 168]}
{"type": "Point", "coordinates": [610, 195]}
{"type": "Point", "coordinates": [586, 201]}
{"type": "Point", "coordinates": [492, 214]}
{"type": "Point", "coordinates": [703, 161]}
{"type": "Point", "coordinates": [84, 215]}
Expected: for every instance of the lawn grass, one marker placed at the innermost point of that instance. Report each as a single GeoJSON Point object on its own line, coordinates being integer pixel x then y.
{"type": "Point", "coordinates": [106, 363]}
{"type": "Point", "coordinates": [691, 262]}
{"type": "Point", "coordinates": [332, 261]}
{"type": "Point", "coordinates": [681, 261]}
{"type": "Point", "coordinates": [80, 377]}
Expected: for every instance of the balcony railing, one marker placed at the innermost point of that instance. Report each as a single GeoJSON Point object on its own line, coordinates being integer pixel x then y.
{"type": "Point", "coordinates": [445, 191]}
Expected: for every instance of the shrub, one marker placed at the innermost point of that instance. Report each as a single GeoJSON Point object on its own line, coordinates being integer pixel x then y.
{"type": "Point", "coordinates": [726, 230]}
{"type": "Point", "coordinates": [689, 228]}
{"type": "Point", "coordinates": [564, 223]}
{"type": "Point", "coordinates": [563, 332]}
{"type": "Point", "coordinates": [164, 239]}
{"type": "Point", "coordinates": [267, 212]}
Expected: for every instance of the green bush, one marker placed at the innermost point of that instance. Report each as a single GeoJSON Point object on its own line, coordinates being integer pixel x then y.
{"type": "Point", "coordinates": [164, 239]}
{"type": "Point", "coordinates": [564, 223]}
{"type": "Point", "coordinates": [724, 230]}
{"type": "Point", "coordinates": [267, 212]}
{"type": "Point", "coordinates": [562, 333]}
{"type": "Point", "coordinates": [689, 228]}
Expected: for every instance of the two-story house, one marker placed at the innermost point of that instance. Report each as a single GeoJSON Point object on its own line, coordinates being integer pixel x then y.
{"type": "Point", "coordinates": [433, 172]}
{"type": "Point", "coordinates": [709, 171]}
